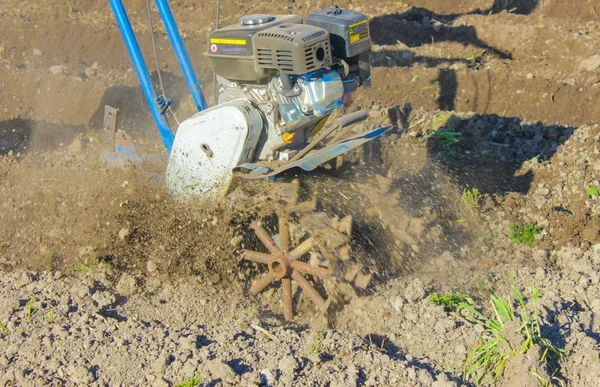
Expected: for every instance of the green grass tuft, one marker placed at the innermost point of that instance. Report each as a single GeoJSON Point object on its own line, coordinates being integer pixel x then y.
{"type": "Point", "coordinates": [99, 167]}
{"type": "Point", "coordinates": [193, 382]}
{"type": "Point", "coordinates": [524, 234]}
{"type": "Point", "coordinates": [317, 346]}
{"type": "Point", "coordinates": [592, 191]}
{"type": "Point", "coordinates": [4, 329]}
{"type": "Point", "coordinates": [450, 302]}
{"type": "Point", "coordinates": [441, 120]}
{"type": "Point", "coordinates": [470, 200]}
{"type": "Point", "coordinates": [487, 360]}
{"type": "Point", "coordinates": [82, 267]}
{"type": "Point", "coordinates": [31, 310]}
{"type": "Point", "coordinates": [449, 139]}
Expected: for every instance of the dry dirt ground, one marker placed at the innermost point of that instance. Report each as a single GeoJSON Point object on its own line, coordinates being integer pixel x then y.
{"type": "Point", "coordinates": [106, 281]}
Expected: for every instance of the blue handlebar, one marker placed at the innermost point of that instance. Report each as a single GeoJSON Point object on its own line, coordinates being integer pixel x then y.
{"type": "Point", "coordinates": [142, 71]}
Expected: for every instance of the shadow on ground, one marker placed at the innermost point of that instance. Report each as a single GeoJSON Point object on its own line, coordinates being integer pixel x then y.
{"type": "Point", "coordinates": [19, 135]}
{"type": "Point", "coordinates": [487, 151]}
{"type": "Point", "coordinates": [134, 115]}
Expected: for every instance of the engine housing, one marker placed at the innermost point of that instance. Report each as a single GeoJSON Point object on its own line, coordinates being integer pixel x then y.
{"type": "Point", "coordinates": [296, 74]}
{"type": "Point", "coordinates": [292, 48]}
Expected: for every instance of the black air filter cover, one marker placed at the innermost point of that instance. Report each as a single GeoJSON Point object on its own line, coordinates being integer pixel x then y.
{"type": "Point", "coordinates": [349, 30]}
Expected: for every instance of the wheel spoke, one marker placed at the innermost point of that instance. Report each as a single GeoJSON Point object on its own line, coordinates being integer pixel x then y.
{"type": "Point", "coordinates": [264, 237]}
{"type": "Point", "coordinates": [302, 249]}
{"type": "Point", "coordinates": [284, 235]}
{"type": "Point", "coordinates": [262, 283]}
{"type": "Point", "coordinates": [309, 290]}
{"type": "Point", "coordinates": [303, 267]}
{"type": "Point", "coordinates": [255, 256]}
{"type": "Point", "coordinates": [286, 294]}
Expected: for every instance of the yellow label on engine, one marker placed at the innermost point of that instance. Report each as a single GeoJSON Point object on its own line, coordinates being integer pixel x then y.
{"type": "Point", "coordinates": [240, 42]}
{"type": "Point", "coordinates": [357, 37]}
{"type": "Point", "coordinates": [351, 26]}
{"type": "Point", "coordinates": [359, 31]}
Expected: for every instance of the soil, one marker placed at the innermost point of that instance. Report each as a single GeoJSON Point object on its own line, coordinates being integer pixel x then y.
{"type": "Point", "coordinates": [131, 287]}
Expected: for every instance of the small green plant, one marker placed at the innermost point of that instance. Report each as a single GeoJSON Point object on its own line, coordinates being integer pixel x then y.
{"type": "Point", "coordinates": [524, 234]}
{"type": "Point", "coordinates": [72, 11]}
{"type": "Point", "coordinates": [91, 138]}
{"type": "Point", "coordinates": [441, 120]}
{"type": "Point", "coordinates": [498, 344]}
{"type": "Point", "coordinates": [592, 191]}
{"type": "Point", "coordinates": [4, 329]}
{"type": "Point", "coordinates": [449, 139]}
{"type": "Point", "coordinates": [470, 200]}
{"type": "Point", "coordinates": [450, 302]}
{"type": "Point", "coordinates": [85, 266]}
{"type": "Point", "coordinates": [50, 316]}
{"type": "Point", "coordinates": [193, 382]}
{"type": "Point", "coordinates": [50, 254]}
{"type": "Point", "coordinates": [317, 346]}
{"type": "Point", "coordinates": [31, 310]}
{"type": "Point", "coordinates": [98, 167]}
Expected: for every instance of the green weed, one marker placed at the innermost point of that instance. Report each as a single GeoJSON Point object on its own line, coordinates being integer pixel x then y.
{"type": "Point", "coordinates": [490, 357]}
{"type": "Point", "coordinates": [50, 254]}
{"type": "Point", "coordinates": [4, 329]}
{"type": "Point", "coordinates": [91, 138]}
{"type": "Point", "coordinates": [31, 310]}
{"type": "Point", "coordinates": [82, 267]}
{"type": "Point", "coordinates": [317, 346]}
{"type": "Point", "coordinates": [193, 382]}
{"type": "Point", "coordinates": [524, 234]}
{"type": "Point", "coordinates": [592, 191]}
{"type": "Point", "coordinates": [72, 11]}
{"type": "Point", "coordinates": [99, 167]}
{"type": "Point", "coordinates": [441, 120]}
{"type": "Point", "coordinates": [470, 200]}
{"type": "Point", "coordinates": [50, 316]}
{"type": "Point", "coordinates": [450, 302]}
{"type": "Point", "coordinates": [449, 139]}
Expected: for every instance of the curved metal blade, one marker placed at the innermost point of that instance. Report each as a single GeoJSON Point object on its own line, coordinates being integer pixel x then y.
{"type": "Point", "coordinates": [321, 156]}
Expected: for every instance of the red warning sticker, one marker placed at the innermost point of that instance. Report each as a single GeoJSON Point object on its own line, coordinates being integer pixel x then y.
{"type": "Point", "coordinates": [214, 48]}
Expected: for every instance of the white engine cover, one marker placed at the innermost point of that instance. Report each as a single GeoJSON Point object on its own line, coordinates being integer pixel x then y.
{"type": "Point", "coordinates": [209, 145]}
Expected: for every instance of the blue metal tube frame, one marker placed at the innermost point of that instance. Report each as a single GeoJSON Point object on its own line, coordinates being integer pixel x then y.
{"type": "Point", "coordinates": [142, 71]}
{"type": "Point", "coordinates": [181, 53]}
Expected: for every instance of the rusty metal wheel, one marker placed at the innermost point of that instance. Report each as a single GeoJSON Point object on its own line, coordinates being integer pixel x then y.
{"type": "Point", "coordinates": [329, 240]}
